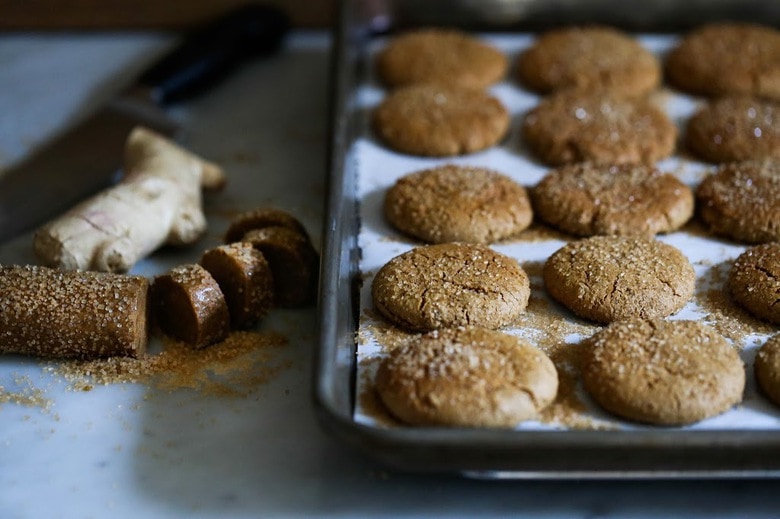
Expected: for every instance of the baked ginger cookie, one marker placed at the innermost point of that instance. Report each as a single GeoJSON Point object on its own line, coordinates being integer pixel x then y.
{"type": "Point", "coordinates": [444, 56]}
{"type": "Point", "coordinates": [662, 372]}
{"type": "Point", "coordinates": [767, 368]}
{"type": "Point", "coordinates": [570, 126]}
{"type": "Point", "coordinates": [610, 278]}
{"type": "Point", "coordinates": [440, 121]}
{"type": "Point", "coordinates": [727, 58]}
{"type": "Point", "coordinates": [466, 377]}
{"type": "Point", "coordinates": [741, 200]}
{"type": "Point", "coordinates": [458, 203]}
{"type": "Point", "coordinates": [588, 199]}
{"type": "Point", "coordinates": [589, 58]}
{"type": "Point", "coordinates": [754, 281]}
{"type": "Point", "coordinates": [449, 285]}
{"type": "Point", "coordinates": [735, 128]}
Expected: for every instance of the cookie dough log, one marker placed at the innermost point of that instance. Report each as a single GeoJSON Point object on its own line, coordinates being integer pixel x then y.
{"type": "Point", "coordinates": [245, 279]}
{"type": "Point", "coordinates": [189, 306]}
{"type": "Point", "coordinates": [51, 313]}
{"type": "Point", "coordinates": [293, 262]}
{"type": "Point", "coordinates": [261, 218]}
{"type": "Point", "coordinates": [157, 202]}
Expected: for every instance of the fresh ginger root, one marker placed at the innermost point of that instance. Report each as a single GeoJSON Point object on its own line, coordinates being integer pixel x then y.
{"type": "Point", "coordinates": [157, 202]}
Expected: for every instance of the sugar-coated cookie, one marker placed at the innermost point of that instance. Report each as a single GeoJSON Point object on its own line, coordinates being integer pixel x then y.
{"type": "Point", "coordinates": [662, 372]}
{"type": "Point", "coordinates": [727, 58]}
{"type": "Point", "coordinates": [591, 58]}
{"type": "Point", "coordinates": [570, 126]}
{"type": "Point", "coordinates": [444, 56]}
{"type": "Point", "coordinates": [610, 278]}
{"type": "Point", "coordinates": [458, 203]}
{"type": "Point", "coordinates": [451, 284]}
{"type": "Point", "coordinates": [754, 281]}
{"type": "Point", "coordinates": [767, 368]}
{"type": "Point", "coordinates": [741, 200]}
{"type": "Point", "coordinates": [735, 128]}
{"type": "Point", "coordinates": [440, 121]}
{"type": "Point", "coordinates": [588, 199]}
{"type": "Point", "coordinates": [466, 377]}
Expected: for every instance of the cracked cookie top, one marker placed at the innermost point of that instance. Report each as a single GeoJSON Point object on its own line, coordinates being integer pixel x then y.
{"type": "Point", "coordinates": [472, 377]}
{"type": "Point", "coordinates": [754, 281]}
{"type": "Point", "coordinates": [613, 199]}
{"type": "Point", "coordinates": [451, 284]}
{"type": "Point", "coordinates": [458, 203]}
{"type": "Point", "coordinates": [610, 278]}
{"type": "Point", "coordinates": [662, 372]}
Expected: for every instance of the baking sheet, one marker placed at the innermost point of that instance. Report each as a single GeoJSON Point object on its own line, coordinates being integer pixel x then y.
{"type": "Point", "coordinates": [378, 168]}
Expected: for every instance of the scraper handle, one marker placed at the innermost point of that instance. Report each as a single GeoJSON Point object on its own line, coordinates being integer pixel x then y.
{"type": "Point", "coordinates": [211, 53]}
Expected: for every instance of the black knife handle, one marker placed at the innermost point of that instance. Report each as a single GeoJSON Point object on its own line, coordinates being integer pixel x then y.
{"type": "Point", "coordinates": [210, 53]}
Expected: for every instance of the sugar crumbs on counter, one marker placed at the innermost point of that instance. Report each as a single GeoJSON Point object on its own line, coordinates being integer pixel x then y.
{"type": "Point", "coordinates": [24, 394]}
{"type": "Point", "coordinates": [233, 367]}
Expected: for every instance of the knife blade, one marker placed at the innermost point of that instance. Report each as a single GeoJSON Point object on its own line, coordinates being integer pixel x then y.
{"type": "Point", "coordinates": [86, 157]}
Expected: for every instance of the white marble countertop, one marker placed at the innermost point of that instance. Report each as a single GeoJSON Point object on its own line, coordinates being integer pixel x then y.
{"type": "Point", "coordinates": [121, 452]}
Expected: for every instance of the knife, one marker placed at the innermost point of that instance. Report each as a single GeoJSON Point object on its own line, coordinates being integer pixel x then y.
{"type": "Point", "coordinates": [85, 158]}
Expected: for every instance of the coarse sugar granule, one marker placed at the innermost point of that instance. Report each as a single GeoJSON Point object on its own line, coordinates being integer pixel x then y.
{"type": "Point", "coordinates": [233, 367]}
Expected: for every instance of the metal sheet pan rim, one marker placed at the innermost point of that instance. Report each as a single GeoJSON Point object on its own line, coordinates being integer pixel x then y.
{"type": "Point", "coordinates": [655, 453]}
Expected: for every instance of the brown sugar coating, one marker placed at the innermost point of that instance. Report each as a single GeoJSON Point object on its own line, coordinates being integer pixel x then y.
{"type": "Point", "coordinates": [440, 121]}
{"type": "Point", "coordinates": [610, 278]}
{"type": "Point", "coordinates": [662, 372]}
{"type": "Point", "coordinates": [293, 263]}
{"type": "Point", "coordinates": [589, 58]}
{"type": "Point", "coordinates": [444, 56]}
{"type": "Point", "coordinates": [767, 368]}
{"type": "Point", "coordinates": [468, 377]}
{"type": "Point", "coordinates": [570, 126]}
{"type": "Point", "coordinates": [245, 279]}
{"type": "Point", "coordinates": [735, 128]}
{"type": "Point", "coordinates": [449, 285]}
{"type": "Point", "coordinates": [189, 306]}
{"type": "Point", "coordinates": [458, 203]}
{"type": "Point", "coordinates": [754, 281]}
{"type": "Point", "coordinates": [727, 58]}
{"type": "Point", "coordinates": [741, 200]}
{"type": "Point", "coordinates": [624, 199]}
{"type": "Point", "coordinates": [260, 218]}
{"type": "Point", "coordinates": [52, 313]}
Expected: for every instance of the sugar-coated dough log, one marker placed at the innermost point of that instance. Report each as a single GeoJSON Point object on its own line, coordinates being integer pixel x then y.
{"type": "Point", "coordinates": [51, 313]}
{"type": "Point", "coordinates": [189, 306]}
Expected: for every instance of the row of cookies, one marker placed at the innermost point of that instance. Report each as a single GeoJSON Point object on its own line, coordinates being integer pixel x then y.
{"type": "Point", "coordinates": [740, 201]}
{"type": "Point", "coordinates": [598, 110]}
{"type": "Point", "coordinates": [641, 366]}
